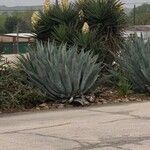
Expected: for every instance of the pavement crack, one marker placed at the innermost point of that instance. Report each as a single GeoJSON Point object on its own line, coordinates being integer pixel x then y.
{"type": "Point", "coordinates": [116, 120]}
{"type": "Point", "coordinates": [56, 137]}
{"type": "Point", "coordinates": [30, 129]}
{"type": "Point", "coordinates": [118, 142]}
{"type": "Point", "coordinates": [125, 113]}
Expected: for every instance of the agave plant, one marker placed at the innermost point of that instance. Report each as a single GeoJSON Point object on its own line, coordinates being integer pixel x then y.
{"type": "Point", "coordinates": [134, 60]}
{"type": "Point", "coordinates": [61, 72]}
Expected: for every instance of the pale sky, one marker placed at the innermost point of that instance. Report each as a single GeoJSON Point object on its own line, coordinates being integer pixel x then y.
{"type": "Point", "coordinates": [129, 3]}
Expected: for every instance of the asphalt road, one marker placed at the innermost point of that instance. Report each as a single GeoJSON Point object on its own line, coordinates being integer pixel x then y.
{"type": "Point", "coordinates": [122, 127]}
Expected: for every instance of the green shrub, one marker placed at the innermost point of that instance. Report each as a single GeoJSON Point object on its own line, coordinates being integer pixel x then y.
{"type": "Point", "coordinates": [124, 86]}
{"type": "Point", "coordinates": [15, 93]}
{"type": "Point", "coordinates": [60, 72]}
{"type": "Point", "coordinates": [117, 79]}
{"type": "Point", "coordinates": [134, 61]}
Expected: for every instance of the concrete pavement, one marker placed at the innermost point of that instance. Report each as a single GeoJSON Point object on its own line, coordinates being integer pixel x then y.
{"type": "Point", "coordinates": [122, 127]}
{"type": "Point", "coordinates": [11, 57]}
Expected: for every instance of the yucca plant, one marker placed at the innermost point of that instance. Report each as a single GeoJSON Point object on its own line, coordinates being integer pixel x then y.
{"type": "Point", "coordinates": [134, 61]}
{"type": "Point", "coordinates": [107, 17]}
{"type": "Point", "coordinates": [61, 72]}
{"type": "Point", "coordinates": [89, 41]}
{"type": "Point", "coordinates": [55, 17]}
{"type": "Point", "coordinates": [63, 34]}
{"type": "Point", "coordinates": [91, 25]}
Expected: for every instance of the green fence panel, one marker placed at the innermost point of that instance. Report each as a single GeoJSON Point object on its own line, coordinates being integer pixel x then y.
{"type": "Point", "coordinates": [8, 48]}
{"type": "Point", "coordinates": [23, 47]}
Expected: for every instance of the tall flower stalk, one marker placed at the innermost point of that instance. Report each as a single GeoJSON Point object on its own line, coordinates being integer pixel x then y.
{"type": "Point", "coordinates": [85, 28]}
{"type": "Point", "coordinates": [64, 4]}
{"type": "Point", "coordinates": [46, 5]}
{"type": "Point", "coordinates": [35, 18]}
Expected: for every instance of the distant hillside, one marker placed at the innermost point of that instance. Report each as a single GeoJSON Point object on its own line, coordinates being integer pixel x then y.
{"type": "Point", "coordinates": [24, 8]}
{"type": "Point", "coordinates": [20, 8]}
